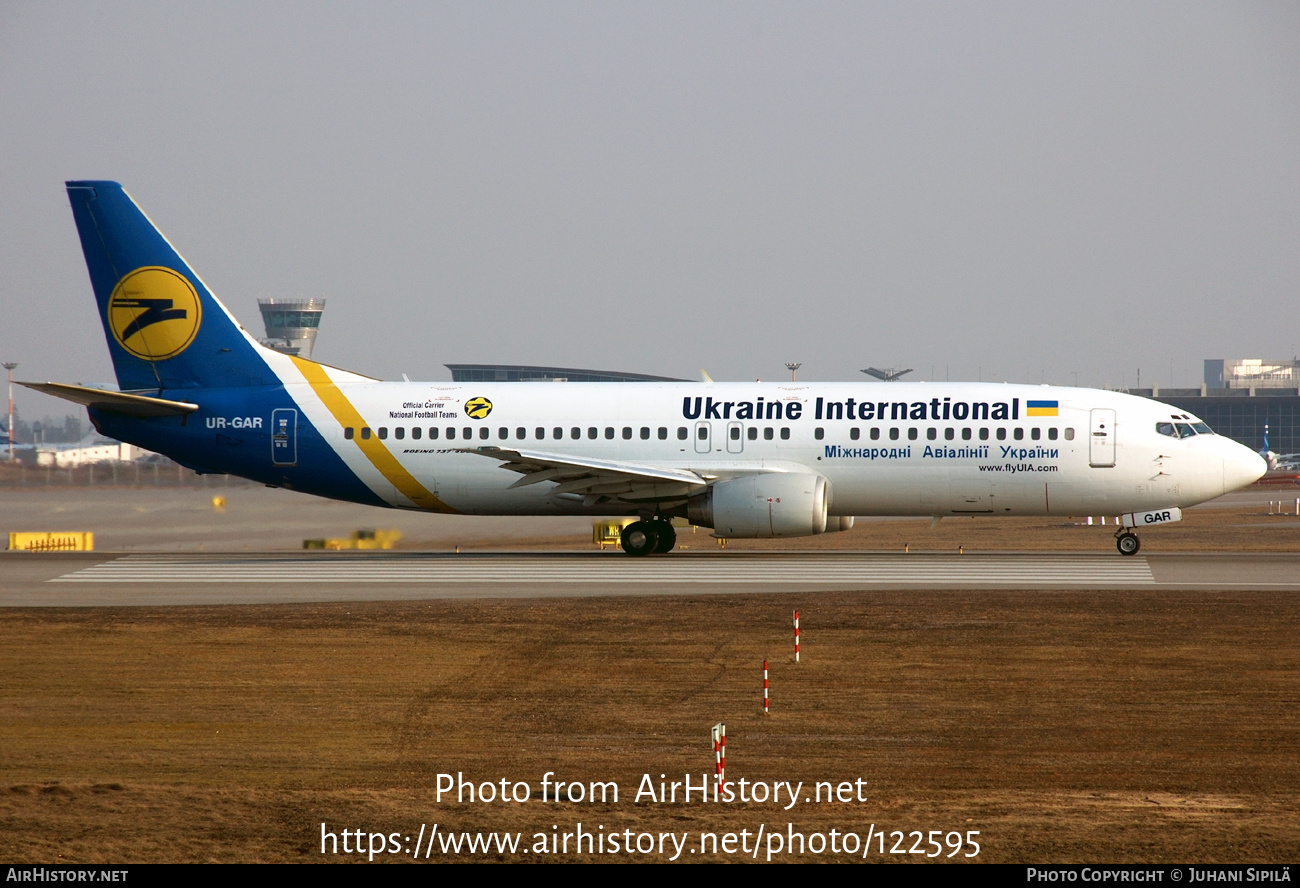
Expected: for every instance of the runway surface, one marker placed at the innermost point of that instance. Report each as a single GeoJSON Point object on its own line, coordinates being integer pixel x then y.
{"type": "Point", "coordinates": [95, 579]}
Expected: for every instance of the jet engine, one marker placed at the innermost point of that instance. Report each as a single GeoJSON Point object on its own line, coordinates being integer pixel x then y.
{"type": "Point", "coordinates": [769, 505]}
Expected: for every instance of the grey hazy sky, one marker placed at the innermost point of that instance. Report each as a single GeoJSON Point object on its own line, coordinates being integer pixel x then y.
{"type": "Point", "coordinates": [1022, 191]}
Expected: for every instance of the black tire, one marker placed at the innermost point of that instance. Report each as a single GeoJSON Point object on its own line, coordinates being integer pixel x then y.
{"type": "Point", "coordinates": [1128, 544]}
{"type": "Point", "coordinates": [639, 538]}
{"type": "Point", "coordinates": [667, 537]}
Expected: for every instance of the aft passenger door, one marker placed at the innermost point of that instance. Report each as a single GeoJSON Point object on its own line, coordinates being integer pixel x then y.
{"type": "Point", "coordinates": [1101, 439]}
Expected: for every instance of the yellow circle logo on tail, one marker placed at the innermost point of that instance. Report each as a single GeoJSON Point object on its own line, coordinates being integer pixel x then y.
{"type": "Point", "coordinates": [478, 408]}
{"type": "Point", "coordinates": [154, 313]}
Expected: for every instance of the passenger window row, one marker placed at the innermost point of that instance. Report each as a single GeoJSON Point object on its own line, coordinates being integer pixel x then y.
{"type": "Point", "coordinates": [951, 434]}
{"type": "Point", "coordinates": [593, 433]}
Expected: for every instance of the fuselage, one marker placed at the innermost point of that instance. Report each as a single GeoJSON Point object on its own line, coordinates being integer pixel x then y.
{"type": "Point", "coordinates": [884, 449]}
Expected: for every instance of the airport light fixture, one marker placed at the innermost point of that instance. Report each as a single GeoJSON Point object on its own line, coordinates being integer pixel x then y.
{"type": "Point", "coordinates": [793, 367]}
{"type": "Point", "coordinates": [9, 429]}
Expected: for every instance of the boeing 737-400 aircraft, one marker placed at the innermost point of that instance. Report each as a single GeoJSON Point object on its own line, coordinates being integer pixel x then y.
{"type": "Point", "coordinates": [746, 459]}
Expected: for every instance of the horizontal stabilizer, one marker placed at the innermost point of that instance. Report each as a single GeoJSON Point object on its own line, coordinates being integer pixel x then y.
{"type": "Point", "coordinates": [114, 402]}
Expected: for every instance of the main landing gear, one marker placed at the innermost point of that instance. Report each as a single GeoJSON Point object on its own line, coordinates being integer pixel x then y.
{"type": "Point", "coordinates": [655, 535]}
{"type": "Point", "coordinates": [1127, 542]}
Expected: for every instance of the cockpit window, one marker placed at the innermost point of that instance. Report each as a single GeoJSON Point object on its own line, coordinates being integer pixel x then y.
{"type": "Point", "coordinates": [1202, 428]}
{"type": "Point", "coordinates": [1184, 430]}
{"type": "Point", "coordinates": [1166, 428]}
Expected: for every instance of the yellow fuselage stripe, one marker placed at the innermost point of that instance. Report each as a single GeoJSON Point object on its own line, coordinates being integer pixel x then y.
{"type": "Point", "coordinates": [373, 449]}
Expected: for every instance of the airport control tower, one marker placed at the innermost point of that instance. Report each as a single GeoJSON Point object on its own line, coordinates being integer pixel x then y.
{"type": "Point", "coordinates": [291, 324]}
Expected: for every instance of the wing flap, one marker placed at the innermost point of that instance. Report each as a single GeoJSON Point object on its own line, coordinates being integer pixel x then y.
{"type": "Point", "coordinates": [595, 477]}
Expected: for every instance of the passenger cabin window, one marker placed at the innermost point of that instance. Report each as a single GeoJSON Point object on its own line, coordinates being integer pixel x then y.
{"type": "Point", "coordinates": [416, 433]}
{"type": "Point", "coordinates": [785, 434]}
{"type": "Point", "coordinates": [502, 433]}
{"type": "Point", "coordinates": [1035, 433]}
{"type": "Point", "coordinates": [627, 433]}
{"type": "Point", "coordinates": [593, 433]}
{"type": "Point", "coordinates": [399, 433]}
{"type": "Point", "coordinates": [663, 433]}
{"type": "Point", "coordinates": [1051, 434]}
{"type": "Point", "coordinates": [752, 433]}
{"type": "Point", "coordinates": [645, 433]}
{"type": "Point", "coordinates": [949, 434]}
{"type": "Point", "coordinates": [819, 433]}
{"type": "Point", "coordinates": [365, 434]}
{"type": "Point", "coordinates": [931, 434]}
{"type": "Point", "coordinates": [912, 433]}
{"type": "Point", "coordinates": [1069, 434]}
{"type": "Point", "coordinates": [768, 433]}
{"type": "Point", "coordinates": [609, 433]}
{"type": "Point", "coordinates": [1018, 434]}
{"type": "Point", "coordinates": [1002, 434]}
{"type": "Point", "coordinates": [893, 434]}
{"type": "Point", "coordinates": [451, 433]}
{"type": "Point", "coordinates": [348, 433]}
{"type": "Point", "coordinates": [681, 433]}
{"type": "Point", "coordinates": [875, 434]}
{"type": "Point", "coordinates": [965, 433]}
{"type": "Point", "coordinates": [433, 433]}
{"type": "Point", "coordinates": [854, 433]}
{"type": "Point", "coordinates": [984, 434]}
{"type": "Point", "coordinates": [383, 433]}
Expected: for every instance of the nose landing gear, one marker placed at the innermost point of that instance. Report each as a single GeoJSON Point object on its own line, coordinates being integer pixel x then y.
{"type": "Point", "coordinates": [1127, 542]}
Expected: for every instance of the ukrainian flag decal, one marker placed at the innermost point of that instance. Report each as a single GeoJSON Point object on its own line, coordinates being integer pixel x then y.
{"type": "Point", "coordinates": [1040, 408]}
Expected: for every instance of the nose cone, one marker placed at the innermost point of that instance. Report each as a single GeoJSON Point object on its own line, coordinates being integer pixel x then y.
{"type": "Point", "coordinates": [1241, 466]}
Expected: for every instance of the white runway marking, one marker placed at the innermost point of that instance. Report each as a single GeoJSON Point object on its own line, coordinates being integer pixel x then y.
{"type": "Point", "coordinates": [976, 570]}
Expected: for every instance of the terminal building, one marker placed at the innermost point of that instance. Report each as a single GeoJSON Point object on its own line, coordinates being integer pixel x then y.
{"type": "Point", "coordinates": [291, 324]}
{"type": "Point", "coordinates": [1239, 396]}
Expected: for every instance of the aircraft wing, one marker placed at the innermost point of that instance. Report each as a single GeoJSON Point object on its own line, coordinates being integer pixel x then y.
{"type": "Point", "coordinates": [595, 480]}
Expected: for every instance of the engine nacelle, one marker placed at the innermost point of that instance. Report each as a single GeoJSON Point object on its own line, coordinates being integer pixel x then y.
{"type": "Point", "coordinates": [769, 505]}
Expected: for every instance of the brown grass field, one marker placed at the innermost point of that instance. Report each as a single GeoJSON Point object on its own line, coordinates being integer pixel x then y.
{"type": "Point", "coordinates": [1063, 726]}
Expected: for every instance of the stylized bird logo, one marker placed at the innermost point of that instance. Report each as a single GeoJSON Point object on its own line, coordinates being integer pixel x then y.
{"type": "Point", "coordinates": [155, 311]}
{"type": "Point", "coordinates": [477, 408]}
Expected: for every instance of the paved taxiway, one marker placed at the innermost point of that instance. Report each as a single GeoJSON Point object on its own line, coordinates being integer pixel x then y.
{"type": "Point", "coordinates": [93, 579]}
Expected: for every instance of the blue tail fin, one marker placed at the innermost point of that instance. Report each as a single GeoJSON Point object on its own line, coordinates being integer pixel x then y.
{"type": "Point", "coordinates": [164, 329]}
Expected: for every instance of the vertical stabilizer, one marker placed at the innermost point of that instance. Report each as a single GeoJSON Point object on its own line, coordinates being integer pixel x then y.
{"type": "Point", "coordinates": [165, 330]}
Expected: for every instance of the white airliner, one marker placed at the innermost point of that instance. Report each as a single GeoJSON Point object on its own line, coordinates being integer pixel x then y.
{"type": "Point", "coordinates": [746, 459]}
